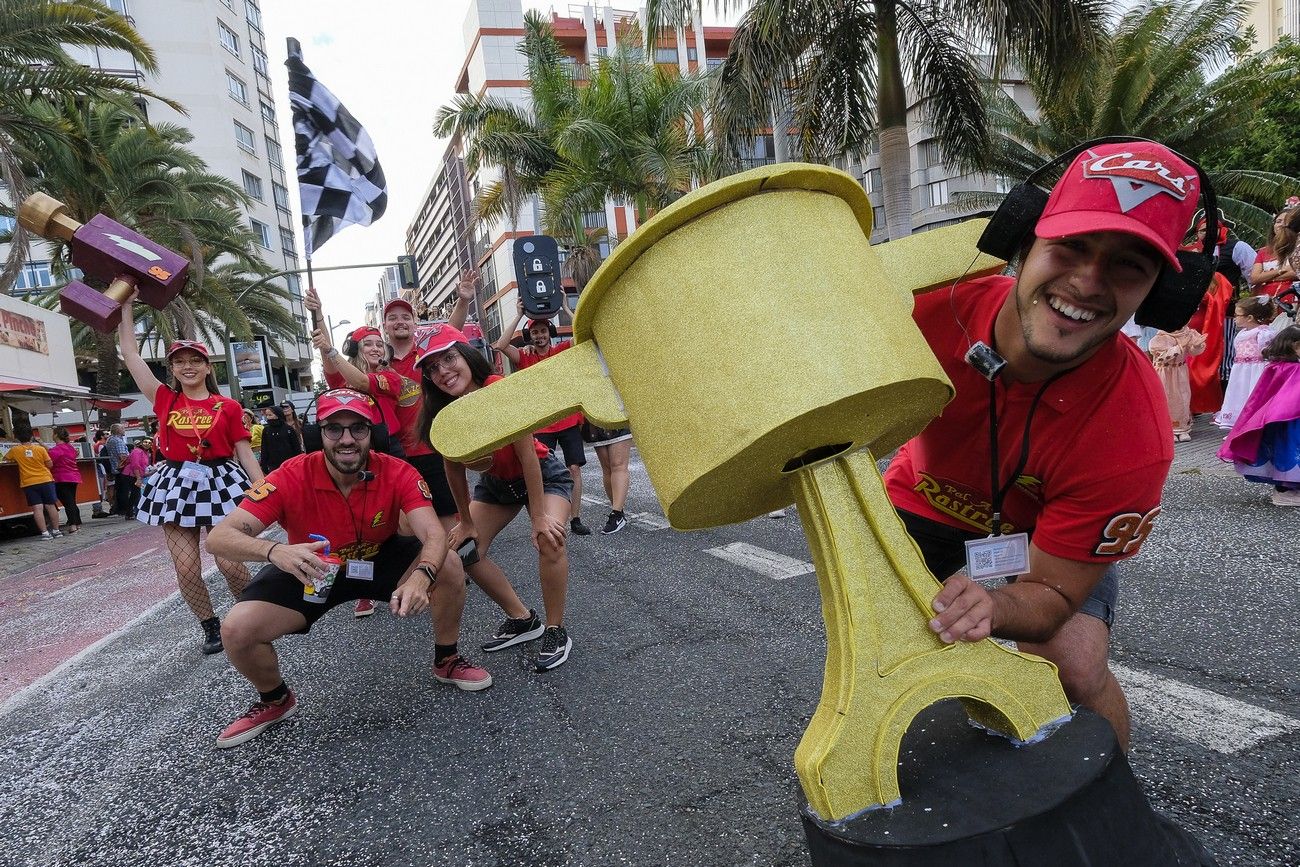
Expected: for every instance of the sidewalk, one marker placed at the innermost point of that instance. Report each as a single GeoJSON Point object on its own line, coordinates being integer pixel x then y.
{"type": "Point", "coordinates": [20, 553]}
{"type": "Point", "coordinates": [1201, 455]}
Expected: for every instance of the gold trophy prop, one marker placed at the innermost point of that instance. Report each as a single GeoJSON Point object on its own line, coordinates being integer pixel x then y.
{"type": "Point", "coordinates": [779, 257]}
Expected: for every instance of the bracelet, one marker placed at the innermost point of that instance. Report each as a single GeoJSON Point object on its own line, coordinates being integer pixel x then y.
{"type": "Point", "coordinates": [274, 545]}
{"type": "Point", "coordinates": [429, 572]}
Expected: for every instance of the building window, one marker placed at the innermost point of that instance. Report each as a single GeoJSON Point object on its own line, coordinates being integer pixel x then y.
{"type": "Point", "coordinates": [665, 55]}
{"type": "Point", "coordinates": [273, 152]}
{"type": "Point", "coordinates": [262, 231]}
{"type": "Point", "coordinates": [691, 54]}
{"type": "Point", "coordinates": [118, 6]}
{"type": "Point", "coordinates": [1002, 184]}
{"type": "Point", "coordinates": [235, 85]}
{"type": "Point", "coordinates": [281, 195]}
{"type": "Point", "coordinates": [713, 63]}
{"type": "Point", "coordinates": [878, 218]}
{"type": "Point", "coordinates": [229, 38]}
{"type": "Point", "coordinates": [244, 138]}
{"type": "Point", "coordinates": [286, 242]}
{"type": "Point", "coordinates": [259, 61]}
{"type": "Point", "coordinates": [253, 185]}
{"type": "Point", "coordinates": [229, 4]}
{"type": "Point", "coordinates": [938, 193]}
{"type": "Point", "coordinates": [268, 112]}
{"type": "Point", "coordinates": [871, 180]}
{"type": "Point", "coordinates": [254, 14]}
{"type": "Point", "coordinates": [7, 225]}
{"type": "Point", "coordinates": [34, 275]}
{"type": "Point", "coordinates": [928, 154]}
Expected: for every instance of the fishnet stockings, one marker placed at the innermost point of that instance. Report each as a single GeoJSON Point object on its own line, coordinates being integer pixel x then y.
{"type": "Point", "coordinates": [183, 545]}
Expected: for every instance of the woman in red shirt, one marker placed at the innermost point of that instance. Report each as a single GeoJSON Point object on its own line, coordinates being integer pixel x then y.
{"type": "Point", "coordinates": [208, 465]}
{"type": "Point", "coordinates": [1274, 270]}
{"type": "Point", "coordinates": [521, 474]}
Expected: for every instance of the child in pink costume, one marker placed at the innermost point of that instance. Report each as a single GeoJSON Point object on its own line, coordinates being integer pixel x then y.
{"type": "Point", "coordinates": [1264, 444]}
{"type": "Point", "coordinates": [1170, 352]}
{"type": "Point", "coordinates": [1252, 316]}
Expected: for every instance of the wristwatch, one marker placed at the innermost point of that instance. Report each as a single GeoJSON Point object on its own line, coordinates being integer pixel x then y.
{"type": "Point", "coordinates": [429, 572]}
{"type": "Point", "coordinates": [333, 353]}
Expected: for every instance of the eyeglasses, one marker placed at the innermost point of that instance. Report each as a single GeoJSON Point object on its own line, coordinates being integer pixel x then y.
{"type": "Point", "coordinates": [446, 361]}
{"type": "Point", "coordinates": [359, 430]}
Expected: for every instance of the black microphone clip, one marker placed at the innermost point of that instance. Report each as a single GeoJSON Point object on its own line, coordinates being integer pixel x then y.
{"type": "Point", "coordinates": [985, 359]}
{"type": "Point", "coordinates": [365, 476]}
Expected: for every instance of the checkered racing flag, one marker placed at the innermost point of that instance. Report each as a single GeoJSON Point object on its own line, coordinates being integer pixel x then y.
{"type": "Point", "coordinates": [339, 179]}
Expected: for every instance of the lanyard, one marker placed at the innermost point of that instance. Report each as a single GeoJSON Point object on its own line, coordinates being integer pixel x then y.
{"type": "Point", "coordinates": [1000, 491]}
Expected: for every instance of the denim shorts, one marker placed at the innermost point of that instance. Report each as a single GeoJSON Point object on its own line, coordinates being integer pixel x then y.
{"type": "Point", "coordinates": [513, 492]}
{"type": "Point", "coordinates": [944, 550]}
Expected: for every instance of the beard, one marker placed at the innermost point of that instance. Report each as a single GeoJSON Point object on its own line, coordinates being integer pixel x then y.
{"type": "Point", "coordinates": [346, 466]}
{"type": "Point", "coordinates": [1037, 335]}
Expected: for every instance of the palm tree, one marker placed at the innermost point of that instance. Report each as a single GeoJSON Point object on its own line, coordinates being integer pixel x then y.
{"type": "Point", "coordinates": [838, 72]}
{"type": "Point", "coordinates": [624, 129]}
{"type": "Point", "coordinates": [145, 176]}
{"type": "Point", "coordinates": [1151, 78]}
{"type": "Point", "coordinates": [35, 65]}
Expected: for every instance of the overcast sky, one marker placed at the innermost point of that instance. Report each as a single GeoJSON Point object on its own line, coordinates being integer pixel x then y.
{"type": "Point", "coordinates": [393, 63]}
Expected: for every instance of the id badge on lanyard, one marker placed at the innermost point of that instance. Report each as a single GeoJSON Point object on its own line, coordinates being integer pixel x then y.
{"type": "Point", "coordinates": [997, 556]}
{"type": "Point", "coordinates": [194, 471]}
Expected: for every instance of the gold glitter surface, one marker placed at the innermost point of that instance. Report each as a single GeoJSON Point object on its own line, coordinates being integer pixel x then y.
{"type": "Point", "coordinates": [756, 344]}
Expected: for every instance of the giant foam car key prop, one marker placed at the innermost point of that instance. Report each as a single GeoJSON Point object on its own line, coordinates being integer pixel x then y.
{"type": "Point", "coordinates": [724, 439]}
{"type": "Point", "coordinates": [106, 250]}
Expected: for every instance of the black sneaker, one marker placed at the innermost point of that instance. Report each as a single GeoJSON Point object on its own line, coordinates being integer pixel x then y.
{"type": "Point", "coordinates": [555, 648]}
{"type": "Point", "coordinates": [579, 528]}
{"type": "Point", "coordinates": [514, 632]}
{"type": "Point", "coordinates": [211, 635]}
{"type": "Point", "coordinates": [615, 522]}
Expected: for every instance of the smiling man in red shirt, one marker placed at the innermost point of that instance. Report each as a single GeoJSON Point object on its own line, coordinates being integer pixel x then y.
{"type": "Point", "coordinates": [364, 504]}
{"type": "Point", "coordinates": [1083, 436]}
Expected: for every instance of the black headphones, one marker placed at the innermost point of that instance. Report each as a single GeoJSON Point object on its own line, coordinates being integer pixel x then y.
{"type": "Point", "coordinates": [1174, 297]}
{"type": "Point", "coordinates": [550, 328]}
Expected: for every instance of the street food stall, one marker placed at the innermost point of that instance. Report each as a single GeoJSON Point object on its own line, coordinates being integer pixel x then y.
{"type": "Point", "coordinates": [38, 376]}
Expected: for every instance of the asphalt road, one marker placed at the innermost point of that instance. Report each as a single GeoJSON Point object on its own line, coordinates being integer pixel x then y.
{"type": "Point", "coordinates": [666, 739]}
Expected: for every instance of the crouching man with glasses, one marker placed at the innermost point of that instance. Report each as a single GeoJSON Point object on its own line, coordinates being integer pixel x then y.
{"type": "Point", "coordinates": [381, 541]}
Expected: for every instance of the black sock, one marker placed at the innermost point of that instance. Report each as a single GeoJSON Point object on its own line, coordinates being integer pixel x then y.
{"type": "Point", "coordinates": [276, 694]}
{"type": "Point", "coordinates": [443, 652]}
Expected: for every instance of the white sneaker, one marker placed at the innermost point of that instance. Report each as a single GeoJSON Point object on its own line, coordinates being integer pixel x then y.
{"type": "Point", "coordinates": [47, 537]}
{"type": "Point", "coordinates": [1286, 498]}
{"type": "Point", "coordinates": [776, 513]}
{"type": "Point", "coordinates": [58, 534]}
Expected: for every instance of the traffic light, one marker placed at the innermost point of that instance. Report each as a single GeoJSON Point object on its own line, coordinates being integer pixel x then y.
{"type": "Point", "coordinates": [409, 271]}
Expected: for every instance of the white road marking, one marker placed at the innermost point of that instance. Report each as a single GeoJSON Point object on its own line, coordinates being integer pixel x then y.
{"type": "Point", "coordinates": [62, 590]}
{"type": "Point", "coordinates": [769, 563]}
{"type": "Point", "coordinates": [142, 554]}
{"type": "Point", "coordinates": [1215, 721]}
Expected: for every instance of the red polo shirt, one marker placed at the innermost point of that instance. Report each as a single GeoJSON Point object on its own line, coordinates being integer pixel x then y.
{"type": "Point", "coordinates": [408, 404]}
{"type": "Point", "coordinates": [301, 497]}
{"type": "Point", "coordinates": [528, 356]}
{"type": "Point", "coordinates": [1100, 447]}
{"type": "Point", "coordinates": [183, 425]}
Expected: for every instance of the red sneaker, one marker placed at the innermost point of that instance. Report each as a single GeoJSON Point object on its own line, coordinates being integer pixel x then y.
{"type": "Point", "coordinates": [365, 608]}
{"type": "Point", "coordinates": [463, 673]}
{"type": "Point", "coordinates": [261, 716]}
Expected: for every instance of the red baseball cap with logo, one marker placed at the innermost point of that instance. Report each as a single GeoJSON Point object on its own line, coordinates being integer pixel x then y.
{"type": "Point", "coordinates": [347, 400]}
{"type": "Point", "coordinates": [1139, 188]}
{"type": "Point", "coordinates": [192, 345]}
{"type": "Point", "coordinates": [363, 332]}
{"type": "Point", "coordinates": [432, 339]}
{"type": "Point", "coordinates": [398, 302]}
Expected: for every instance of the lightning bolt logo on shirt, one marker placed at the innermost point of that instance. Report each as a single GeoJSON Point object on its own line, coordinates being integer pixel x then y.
{"type": "Point", "coordinates": [378, 519]}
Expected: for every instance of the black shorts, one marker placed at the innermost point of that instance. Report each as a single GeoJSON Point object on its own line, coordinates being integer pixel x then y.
{"type": "Point", "coordinates": [272, 584]}
{"type": "Point", "coordinates": [568, 441]}
{"type": "Point", "coordinates": [42, 494]}
{"type": "Point", "coordinates": [434, 474]}
{"type": "Point", "coordinates": [944, 551]}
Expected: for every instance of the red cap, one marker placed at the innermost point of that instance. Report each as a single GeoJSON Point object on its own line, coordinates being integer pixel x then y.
{"type": "Point", "coordinates": [347, 400]}
{"type": "Point", "coordinates": [1140, 188]}
{"type": "Point", "coordinates": [363, 332]}
{"type": "Point", "coordinates": [532, 323]}
{"type": "Point", "coordinates": [398, 302]}
{"type": "Point", "coordinates": [192, 345]}
{"type": "Point", "coordinates": [433, 339]}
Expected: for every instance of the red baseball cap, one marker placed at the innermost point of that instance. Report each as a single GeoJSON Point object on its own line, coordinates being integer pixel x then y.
{"type": "Point", "coordinates": [1140, 188]}
{"type": "Point", "coordinates": [347, 400]}
{"type": "Point", "coordinates": [432, 339]}
{"type": "Point", "coordinates": [192, 345]}
{"type": "Point", "coordinates": [532, 323]}
{"type": "Point", "coordinates": [363, 332]}
{"type": "Point", "coordinates": [398, 302]}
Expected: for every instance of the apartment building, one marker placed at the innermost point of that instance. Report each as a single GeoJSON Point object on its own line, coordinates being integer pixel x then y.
{"type": "Point", "coordinates": [212, 60]}
{"type": "Point", "coordinates": [1273, 19]}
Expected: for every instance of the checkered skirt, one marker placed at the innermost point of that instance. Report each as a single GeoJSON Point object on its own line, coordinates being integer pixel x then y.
{"type": "Point", "coordinates": [166, 498]}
